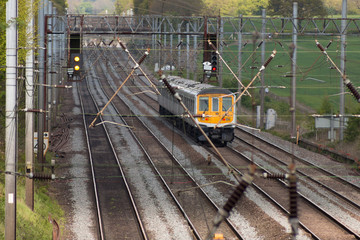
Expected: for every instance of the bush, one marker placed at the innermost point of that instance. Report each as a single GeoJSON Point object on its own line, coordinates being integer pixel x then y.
{"type": "Point", "coordinates": [352, 130]}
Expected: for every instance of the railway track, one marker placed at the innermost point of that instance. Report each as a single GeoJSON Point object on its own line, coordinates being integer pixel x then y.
{"type": "Point", "coordinates": [315, 229]}
{"type": "Point", "coordinates": [316, 186]}
{"type": "Point", "coordinates": [219, 178]}
{"type": "Point", "coordinates": [170, 170]}
{"type": "Point", "coordinates": [117, 213]}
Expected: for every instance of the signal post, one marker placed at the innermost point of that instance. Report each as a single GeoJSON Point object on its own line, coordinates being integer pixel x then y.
{"type": "Point", "coordinates": [210, 58]}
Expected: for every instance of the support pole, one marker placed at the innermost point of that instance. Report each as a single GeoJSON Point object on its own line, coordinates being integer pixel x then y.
{"type": "Point", "coordinates": [49, 64]}
{"type": "Point", "coordinates": [41, 104]}
{"type": "Point", "coordinates": [171, 54]}
{"type": "Point", "coordinates": [29, 116]}
{"type": "Point", "coordinates": [342, 67]}
{"type": "Point", "coordinates": [187, 51]}
{"type": "Point", "coordinates": [220, 37]}
{"type": "Point", "coordinates": [262, 90]}
{"type": "Point", "coordinates": [179, 48]}
{"type": "Point", "coordinates": [55, 70]}
{"type": "Point", "coordinates": [194, 66]}
{"type": "Point", "coordinates": [293, 67]}
{"type": "Point", "coordinates": [11, 120]}
{"type": "Point", "coordinates": [238, 105]}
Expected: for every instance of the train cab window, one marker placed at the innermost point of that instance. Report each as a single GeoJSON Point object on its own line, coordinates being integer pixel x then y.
{"type": "Point", "coordinates": [215, 104]}
{"type": "Point", "coordinates": [226, 103]}
{"type": "Point", "coordinates": [203, 103]}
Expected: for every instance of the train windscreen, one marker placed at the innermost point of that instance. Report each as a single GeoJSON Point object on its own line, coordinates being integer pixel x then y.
{"type": "Point", "coordinates": [226, 103]}
{"type": "Point", "coordinates": [203, 104]}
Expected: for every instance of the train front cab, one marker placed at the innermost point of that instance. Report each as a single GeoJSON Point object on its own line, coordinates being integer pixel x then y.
{"type": "Point", "coordinates": [212, 108]}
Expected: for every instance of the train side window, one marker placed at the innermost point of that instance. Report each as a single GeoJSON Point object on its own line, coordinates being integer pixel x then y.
{"type": "Point", "coordinates": [203, 103]}
{"type": "Point", "coordinates": [215, 104]}
{"type": "Point", "coordinates": [226, 103]}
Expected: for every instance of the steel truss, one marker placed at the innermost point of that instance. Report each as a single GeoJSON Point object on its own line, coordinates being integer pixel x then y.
{"type": "Point", "coordinates": [153, 24]}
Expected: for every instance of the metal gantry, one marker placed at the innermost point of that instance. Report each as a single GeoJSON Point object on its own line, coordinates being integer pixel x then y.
{"type": "Point", "coordinates": [225, 28]}
{"type": "Point", "coordinates": [154, 24]}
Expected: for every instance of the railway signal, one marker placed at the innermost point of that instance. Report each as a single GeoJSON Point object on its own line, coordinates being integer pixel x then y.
{"type": "Point", "coordinates": [76, 63]}
{"type": "Point", "coordinates": [214, 61]}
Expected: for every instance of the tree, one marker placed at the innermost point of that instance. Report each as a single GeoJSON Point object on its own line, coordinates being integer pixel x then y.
{"type": "Point", "coordinates": [306, 8]}
{"type": "Point", "coordinates": [141, 7]}
{"type": "Point", "coordinates": [175, 7]}
{"type": "Point", "coordinates": [2, 64]}
{"type": "Point", "coordinates": [122, 6]}
{"type": "Point", "coordinates": [233, 7]}
{"type": "Point", "coordinates": [85, 8]}
{"type": "Point", "coordinates": [352, 130]}
{"type": "Point", "coordinates": [326, 107]}
{"type": "Point", "coordinates": [168, 7]}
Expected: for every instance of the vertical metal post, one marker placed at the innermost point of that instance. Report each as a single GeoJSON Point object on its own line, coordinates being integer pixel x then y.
{"type": "Point", "coordinates": [195, 55]}
{"type": "Point", "coordinates": [161, 45]}
{"type": "Point", "coordinates": [187, 50]}
{"type": "Point", "coordinates": [164, 52]}
{"type": "Point", "coordinates": [54, 69]}
{"type": "Point", "coordinates": [179, 47]}
{"type": "Point", "coordinates": [262, 92]}
{"type": "Point", "coordinates": [293, 81]}
{"type": "Point", "coordinates": [238, 104]}
{"type": "Point", "coordinates": [332, 128]}
{"type": "Point", "coordinates": [153, 40]}
{"type": "Point", "coordinates": [220, 47]}
{"type": "Point", "coordinates": [171, 53]}
{"type": "Point", "coordinates": [165, 39]}
{"type": "Point", "coordinates": [41, 34]}
{"type": "Point", "coordinates": [342, 67]}
{"type": "Point", "coordinates": [49, 64]}
{"type": "Point", "coordinates": [205, 48]}
{"type": "Point", "coordinates": [29, 116]}
{"type": "Point", "coordinates": [11, 120]}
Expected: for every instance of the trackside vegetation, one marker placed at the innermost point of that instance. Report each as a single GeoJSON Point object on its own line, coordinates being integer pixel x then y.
{"type": "Point", "coordinates": [29, 224]}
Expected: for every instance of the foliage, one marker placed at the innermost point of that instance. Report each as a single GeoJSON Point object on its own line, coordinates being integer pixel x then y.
{"type": "Point", "coordinates": [31, 224]}
{"type": "Point", "coordinates": [2, 64]}
{"type": "Point", "coordinates": [122, 6]}
{"type": "Point", "coordinates": [175, 7]}
{"type": "Point", "coordinates": [85, 8]}
{"type": "Point", "coordinates": [352, 130]}
{"type": "Point", "coordinates": [233, 7]}
{"type": "Point", "coordinates": [204, 7]}
{"type": "Point", "coordinates": [141, 7]}
{"type": "Point", "coordinates": [306, 8]}
{"type": "Point", "coordinates": [2, 38]}
{"type": "Point", "coordinates": [334, 6]}
{"type": "Point", "coordinates": [326, 107]}
{"type": "Point", "coordinates": [60, 6]}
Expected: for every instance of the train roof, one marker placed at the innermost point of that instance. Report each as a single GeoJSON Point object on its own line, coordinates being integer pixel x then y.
{"type": "Point", "coordinates": [195, 88]}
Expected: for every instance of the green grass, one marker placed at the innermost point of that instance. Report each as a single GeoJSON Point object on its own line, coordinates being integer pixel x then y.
{"type": "Point", "coordinates": [315, 79]}
{"type": "Point", "coordinates": [30, 224]}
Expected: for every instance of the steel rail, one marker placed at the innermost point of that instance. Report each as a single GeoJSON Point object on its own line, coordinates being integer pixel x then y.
{"type": "Point", "coordinates": [319, 168]}
{"type": "Point", "coordinates": [344, 226]}
{"type": "Point", "coordinates": [136, 211]}
{"type": "Point", "coordinates": [231, 225]}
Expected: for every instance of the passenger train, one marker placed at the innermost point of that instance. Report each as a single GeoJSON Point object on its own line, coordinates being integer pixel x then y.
{"type": "Point", "coordinates": [206, 103]}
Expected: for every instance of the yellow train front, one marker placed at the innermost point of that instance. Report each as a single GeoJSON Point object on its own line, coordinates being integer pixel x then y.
{"type": "Point", "coordinates": [208, 104]}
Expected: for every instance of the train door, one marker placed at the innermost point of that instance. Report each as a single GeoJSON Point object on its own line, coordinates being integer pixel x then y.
{"type": "Point", "coordinates": [214, 110]}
